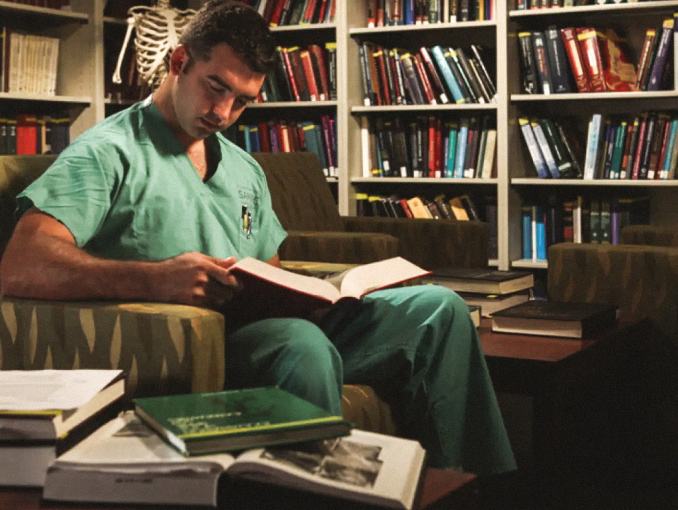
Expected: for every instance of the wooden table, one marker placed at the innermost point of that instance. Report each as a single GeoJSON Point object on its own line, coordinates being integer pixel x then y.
{"type": "Point", "coordinates": [576, 389]}
{"type": "Point", "coordinates": [441, 489]}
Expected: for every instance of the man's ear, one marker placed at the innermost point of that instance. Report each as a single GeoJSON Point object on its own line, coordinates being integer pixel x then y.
{"type": "Point", "coordinates": [179, 59]}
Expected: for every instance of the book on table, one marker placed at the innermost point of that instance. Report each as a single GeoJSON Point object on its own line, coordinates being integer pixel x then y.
{"type": "Point", "coordinates": [126, 462]}
{"type": "Point", "coordinates": [43, 413]}
{"type": "Point", "coordinates": [491, 303]}
{"type": "Point", "coordinates": [548, 318]}
{"type": "Point", "coordinates": [277, 292]}
{"type": "Point", "coordinates": [200, 423]}
{"type": "Point", "coordinates": [482, 281]}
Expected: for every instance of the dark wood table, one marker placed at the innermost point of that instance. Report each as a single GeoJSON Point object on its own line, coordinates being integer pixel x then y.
{"type": "Point", "coordinates": [441, 489]}
{"type": "Point", "coordinates": [576, 392]}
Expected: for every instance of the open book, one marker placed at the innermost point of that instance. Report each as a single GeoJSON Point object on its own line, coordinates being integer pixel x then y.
{"type": "Point", "coordinates": [126, 462]}
{"type": "Point", "coordinates": [277, 292]}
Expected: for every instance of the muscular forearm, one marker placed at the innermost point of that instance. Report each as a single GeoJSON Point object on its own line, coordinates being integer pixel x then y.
{"type": "Point", "coordinates": [47, 267]}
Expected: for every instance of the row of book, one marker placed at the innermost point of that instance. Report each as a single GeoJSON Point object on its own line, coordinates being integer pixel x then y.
{"type": "Point", "coordinates": [75, 435]}
{"type": "Point", "coordinates": [417, 12]}
{"type": "Point", "coordinates": [461, 208]}
{"type": "Point", "coordinates": [289, 136]}
{"type": "Point", "coordinates": [547, 4]}
{"type": "Point", "coordinates": [552, 146]}
{"type": "Point", "coordinates": [34, 134]}
{"type": "Point", "coordinates": [28, 63]}
{"type": "Point", "coordinates": [436, 75]}
{"type": "Point", "coordinates": [586, 59]}
{"type": "Point", "coordinates": [578, 220]}
{"type": "Point", "coordinates": [427, 146]}
{"type": "Point", "coordinates": [50, 4]}
{"type": "Point", "coordinates": [295, 12]}
{"type": "Point", "coordinates": [642, 147]}
{"type": "Point", "coordinates": [302, 74]}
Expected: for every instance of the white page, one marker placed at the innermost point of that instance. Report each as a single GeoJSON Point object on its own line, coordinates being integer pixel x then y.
{"type": "Point", "coordinates": [36, 390]}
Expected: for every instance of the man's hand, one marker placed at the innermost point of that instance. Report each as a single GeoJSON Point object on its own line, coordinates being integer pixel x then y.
{"type": "Point", "coordinates": [196, 279]}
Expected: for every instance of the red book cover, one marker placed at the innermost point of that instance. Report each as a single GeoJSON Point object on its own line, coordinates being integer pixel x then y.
{"type": "Point", "coordinates": [320, 65]}
{"type": "Point", "coordinates": [639, 148]}
{"type": "Point", "coordinates": [290, 73]}
{"type": "Point", "coordinates": [423, 78]}
{"type": "Point", "coordinates": [431, 147]}
{"type": "Point", "coordinates": [264, 138]}
{"type": "Point", "coordinates": [309, 74]}
{"type": "Point", "coordinates": [588, 40]}
{"type": "Point", "coordinates": [277, 11]}
{"type": "Point", "coordinates": [383, 79]}
{"type": "Point", "coordinates": [576, 59]}
{"type": "Point", "coordinates": [308, 14]}
{"type": "Point", "coordinates": [26, 135]}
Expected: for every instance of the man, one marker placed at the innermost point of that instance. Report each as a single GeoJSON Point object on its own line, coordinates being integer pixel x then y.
{"type": "Point", "coordinates": [147, 205]}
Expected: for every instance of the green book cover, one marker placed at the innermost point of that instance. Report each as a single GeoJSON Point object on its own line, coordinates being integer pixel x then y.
{"type": "Point", "coordinates": [201, 423]}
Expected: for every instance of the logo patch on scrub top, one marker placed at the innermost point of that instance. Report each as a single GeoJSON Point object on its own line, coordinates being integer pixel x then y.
{"type": "Point", "coordinates": [249, 197]}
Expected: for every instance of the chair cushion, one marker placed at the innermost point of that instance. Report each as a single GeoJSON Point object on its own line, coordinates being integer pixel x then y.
{"type": "Point", "coordinates": [300, 194]}
{"type": "Point", "coordinates": [652, 235]}
{"type": "Point", "coordinates": [163, 348]}
{"type": "Point", "coordinates": [340, 247]}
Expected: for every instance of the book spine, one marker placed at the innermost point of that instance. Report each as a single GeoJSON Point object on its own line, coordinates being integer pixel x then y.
{"type": "Point", "coordinates": [533, 148]}
{"type": "Point", "coordinates": [645, 62]}
{"type": "Point", "coordinates": [559, 70]}
{"type": "Point", "coordinates": [542, 61]}
{"type": "Point", "coordinates": [545, 149]}
{"type": "Point", "coordinates": [575, 58]}
{"type": "Point", "coordinates": [592, 146]}
{"type": "Point", "coordinates": [453, 87]}
{"type": "Point", "coordinates": [589, 43]}
{"type": "Point", "coordinates": [661, 56]}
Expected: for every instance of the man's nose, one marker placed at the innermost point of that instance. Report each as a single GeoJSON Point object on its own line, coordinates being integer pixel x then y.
{"type": "Point", "coordinates": [221, 111]}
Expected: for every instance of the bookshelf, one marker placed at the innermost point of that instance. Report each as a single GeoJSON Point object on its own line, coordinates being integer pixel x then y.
{"type": "Point", "coordinates": [86, 36]}
{"type": "Point", "coordinates": [629, 20]}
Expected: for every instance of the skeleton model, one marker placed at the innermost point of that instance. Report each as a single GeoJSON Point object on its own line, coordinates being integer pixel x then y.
{"type": "Point", "coordinates": [157, 33]}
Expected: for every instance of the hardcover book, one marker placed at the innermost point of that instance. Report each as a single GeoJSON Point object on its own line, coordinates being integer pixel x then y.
{"type": "Point", "coordinates": [546, 318]}
{"type": "Point", "coordinates": [491, 303]}
{"type": "Point", "coordinates": [125, 462]}
{"type": "Point", "coordinates": [201, 423]}
{"type": "Point", "coordinates": [483, 281]}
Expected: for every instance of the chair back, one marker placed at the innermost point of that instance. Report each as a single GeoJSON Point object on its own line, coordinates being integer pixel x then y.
{"type": "Point", "coordinates": [301, 196]}
{"type": "Point", "coordinates": [16, 172]}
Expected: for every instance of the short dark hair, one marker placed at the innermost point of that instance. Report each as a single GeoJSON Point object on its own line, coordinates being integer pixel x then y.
{"type": "Point", "coordinates": [233, 23]}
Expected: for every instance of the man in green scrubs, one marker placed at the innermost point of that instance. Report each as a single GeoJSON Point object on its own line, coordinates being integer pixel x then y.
{"type": "Point", "coordinates": [154, 204]}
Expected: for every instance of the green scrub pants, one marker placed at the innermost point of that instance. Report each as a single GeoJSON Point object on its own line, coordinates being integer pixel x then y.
{"type": "Point", "coordinates": [416, 346]}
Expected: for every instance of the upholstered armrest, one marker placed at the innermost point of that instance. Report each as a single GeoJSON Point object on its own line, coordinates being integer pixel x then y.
{"type": "Point", "coordinates": [431, 244]}
{"type": "Point", "coordinates": [342, 247]}
{"type": "Point", "coordinates": [651, 235]}
{"type": "Point", "coordinates": [163, 348]}
{"type": "Point", "coordinates": [641, 280]}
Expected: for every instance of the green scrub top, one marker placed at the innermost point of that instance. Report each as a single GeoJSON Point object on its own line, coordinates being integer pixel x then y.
{"type": "Point", "coordinates": [127, 190]}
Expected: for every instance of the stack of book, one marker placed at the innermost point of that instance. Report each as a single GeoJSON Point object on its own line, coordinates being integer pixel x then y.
{"type": "Point", "coordinates": [251, 437]}
{"type": "Point", "coordinates": [28, 63]}
{"type": "Point", "coordinates": [302, 74]}
{"type": "Point", "coordinates": [317, 136]}
{"type": "Point", "coordinates": [431, 75]}
{"type": "Point", "coordinates": [43, 413]}
{"type": "Point", "coordinates": [491, 289]}
{"type": "Point", "coordinates": [588, 59]}
{"type": "Point", "coordinates": [428, 146]}
{"type": "Point", "coordinates": [579, 219]}
{"type": "Point", "coordinates": [27, 134]}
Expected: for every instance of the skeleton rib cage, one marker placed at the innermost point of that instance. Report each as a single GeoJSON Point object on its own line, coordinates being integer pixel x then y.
{"type": "Point", "coordinates": [158, 30]}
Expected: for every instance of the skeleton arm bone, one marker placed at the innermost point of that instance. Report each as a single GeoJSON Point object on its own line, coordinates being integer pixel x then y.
{"type": "Point", "coordinates": [130, 26]}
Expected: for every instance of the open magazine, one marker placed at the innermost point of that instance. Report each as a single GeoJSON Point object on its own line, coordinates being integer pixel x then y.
{"type": "Point", "coordinates": [126, 462]}
{"type": "Point", "coordinates": [277, 292]}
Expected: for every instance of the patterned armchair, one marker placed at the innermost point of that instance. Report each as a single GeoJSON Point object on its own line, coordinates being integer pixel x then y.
{"type": "Point", "coordinates": [640, 276]}
{"type": "Point", "coordinates": [163, 348]}
{"type": "Point", "coordinates": [306, 208]}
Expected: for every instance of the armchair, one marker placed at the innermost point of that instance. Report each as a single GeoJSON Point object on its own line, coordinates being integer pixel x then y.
{"type": "Point", "coordinates": [307, 210]}
{"type": "Point", "coordinates": [163, 348]}
{"type": "Point", "coordinates": [640, 276]}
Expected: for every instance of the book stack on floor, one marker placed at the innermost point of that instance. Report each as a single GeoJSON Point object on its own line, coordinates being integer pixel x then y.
{"type": "Point", "coordinates": [245, 439]}
{"type": "Point", "coordinates": [547, 318]}
{"type": "Point", "coordinates": [491, 289]}
{"type": "Point", "coordinates": [43, 413]}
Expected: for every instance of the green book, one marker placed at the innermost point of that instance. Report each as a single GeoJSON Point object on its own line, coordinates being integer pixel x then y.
{"type": "Point", "coordinates": [201, 423]}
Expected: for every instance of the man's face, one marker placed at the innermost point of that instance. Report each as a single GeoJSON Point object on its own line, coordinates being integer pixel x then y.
{"type": "Point", "coordinates": [210, 96]}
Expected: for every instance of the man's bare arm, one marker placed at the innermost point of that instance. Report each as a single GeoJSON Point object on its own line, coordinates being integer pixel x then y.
{"type": "Point", "coordinates": [42, 261]}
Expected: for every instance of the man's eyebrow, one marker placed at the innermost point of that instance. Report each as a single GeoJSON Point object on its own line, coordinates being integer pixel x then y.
{"type": "Point", "coordinates": [225, 85]}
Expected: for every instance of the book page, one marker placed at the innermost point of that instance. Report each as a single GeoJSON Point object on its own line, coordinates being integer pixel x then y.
{"type": "Point", "coordinates": [364, 466]}
{"type": "Point", "coordinates": [306, 284]}
{"type": "Point", "coordinates": [127, 445]}
{"type": "Point", "coordinates": [38, 390]}
{"type": "Point", "coordinates": [370, 277]}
